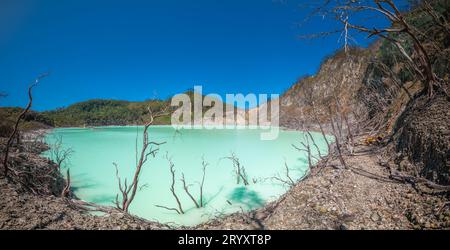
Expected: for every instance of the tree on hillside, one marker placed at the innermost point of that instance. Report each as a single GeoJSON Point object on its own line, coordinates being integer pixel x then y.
{"type": "Point", "coordinates": [410, 41]}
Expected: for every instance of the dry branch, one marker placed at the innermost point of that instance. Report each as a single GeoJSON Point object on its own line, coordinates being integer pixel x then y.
{"type": "Point", "coordinates": [58, 153]}
{"type": "Point", "coordinates": [288, 180]}
{"type": "Point", "coordinates": [179, 210]}
{"type": "Point", "coordinates": [239, 169]}
{"type": "Point", "coordinates": [343, 11]}
{"type": "Point", "coordinates": [16, 125]}
{"type": "Point", "coordinates": [149, 148]}
{"type": "Point", "coordinates": [204, 165]}
{"type": "Point", "coordinates": [186, 189]}
{"type": "Point", "coordinates": [66, 190]}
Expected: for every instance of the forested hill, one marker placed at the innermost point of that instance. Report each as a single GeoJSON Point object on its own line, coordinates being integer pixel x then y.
{"type": "Point", "coordinates": [96, 112]}
{"type": "Point", "coordinates": [105, 112]}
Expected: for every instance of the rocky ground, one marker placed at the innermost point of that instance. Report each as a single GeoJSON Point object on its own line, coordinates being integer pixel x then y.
{"type": "Point", "coordinates": [362, 196]}
{"type": "Point", "coordinates": [28, 211]}
{"type": "Point", "coordinates": [30, 198]}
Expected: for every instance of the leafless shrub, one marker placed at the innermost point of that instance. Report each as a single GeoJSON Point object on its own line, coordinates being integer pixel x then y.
{"type": "Point", "coordinates": [198, 204]}
{"type": "Point", "coordinates": [306, 147]}
{"type": "Point", "coordinates": [149, 148]}
{"type": "Point", "coordinates": [287, 179]}
{"type": "Point", "coordinates": [337, 140]}
{"type": "Point", "coordinates": [204, 166]}
{"type": "Point", "coordinates": [186, 189]}
{"type": "Point", "coordinates": [238, 169]}
{"type": "Point", "coordinates": [201, 184]}
{"type": "Point", "coordinates": [179, 210]}
{"type": "Point", "coordinates": [58, 153]}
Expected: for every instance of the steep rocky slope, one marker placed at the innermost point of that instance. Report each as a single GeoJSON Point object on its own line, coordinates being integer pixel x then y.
{"type": "Point", "coordinates": [340, 76]}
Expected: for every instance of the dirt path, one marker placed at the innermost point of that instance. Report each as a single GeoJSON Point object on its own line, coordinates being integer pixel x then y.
{"type": "Point", "coordinates": [361, 197]}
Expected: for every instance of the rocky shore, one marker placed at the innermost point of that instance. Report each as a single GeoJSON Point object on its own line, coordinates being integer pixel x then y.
{"type": "Point", "coordinates": [362, 196]}
{"type": "Point", "coordinates": [31, 198]}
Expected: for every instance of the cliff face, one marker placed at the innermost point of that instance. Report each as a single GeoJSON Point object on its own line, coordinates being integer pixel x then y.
{"type": "Point", "coordinates": [309, 98]}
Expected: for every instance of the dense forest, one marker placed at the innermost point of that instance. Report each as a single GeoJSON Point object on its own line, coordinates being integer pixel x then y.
{"type": "Point", "coordinates": [105, 112]}
{"type": "Point", "coordinates": [97, 112]}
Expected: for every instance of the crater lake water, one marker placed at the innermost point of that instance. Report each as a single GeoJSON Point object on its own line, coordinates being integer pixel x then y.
{"type": "Point", "coordinates": [96, 149]}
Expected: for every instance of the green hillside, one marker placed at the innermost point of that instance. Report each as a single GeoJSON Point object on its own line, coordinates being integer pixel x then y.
{"type": "Point", "coordinates": [100, 112]}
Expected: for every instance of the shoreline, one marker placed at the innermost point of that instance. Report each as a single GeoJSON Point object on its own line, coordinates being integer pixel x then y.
{"type": "Point", "coordinates": [330, 197]}
{"type": "Point", "coordinates": [265, 203]}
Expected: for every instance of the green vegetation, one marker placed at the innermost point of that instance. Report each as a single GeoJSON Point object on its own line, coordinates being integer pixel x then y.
{"type": "Point", "coordinates": [32, 120]}
{"type": "Point", "coordinates": [434, 38]}
{"type": "Point", "coordinates": [98, 112]}
{"type": "Point", "coordinates": [105, 112]}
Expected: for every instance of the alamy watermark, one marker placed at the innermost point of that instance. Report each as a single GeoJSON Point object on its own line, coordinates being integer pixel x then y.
{"type": "Point", "coordinates": [211, 112]}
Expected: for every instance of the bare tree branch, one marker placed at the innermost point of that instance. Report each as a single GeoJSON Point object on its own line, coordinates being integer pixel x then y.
{"type": "Point", "coordinates": [19, 118]}
{"type": "Point", "coordinates": [172, 188]}
{"type": "Point", "coordinates": [128, 192]}
{"type": "Point", "coordinates": [239, 169]}
{"type": "Point", "coordinates": [186, 189]}
{"type": "Point", "coordinates": [66, 189]}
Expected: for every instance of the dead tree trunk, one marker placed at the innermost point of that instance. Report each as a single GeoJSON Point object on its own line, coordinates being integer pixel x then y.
{"type": "Point", "coordinates": [66, 189]}
{"type": "Point", "coordinates": [179, 210]}
{"type": "Point", "coordinates": [388, 10]}
{"type": "Point", "coordinates": [204, 165]}
{"type": "Point", "coordinates": [288, 180]}
{"type": "Point", "coordinates": [239, 170]}
{"type": "Point", "coordinates": [186, 189]}
{"type": "Point", "coordinates": [129, 192]}
{"type": "Point", "coordinates": [315, 144]}
{"type": "Point", "coordinates": [343, 116]}
{"type": "Point", "coordinates": [316, 119]}
{"type": "Point", "coordinates": [337, 142]}
{"type": "Point", "coordinates": [16, 125]}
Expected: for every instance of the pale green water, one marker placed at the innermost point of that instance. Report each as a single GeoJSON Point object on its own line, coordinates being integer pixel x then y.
{"type": "Point", "coordinates": [93, 173]}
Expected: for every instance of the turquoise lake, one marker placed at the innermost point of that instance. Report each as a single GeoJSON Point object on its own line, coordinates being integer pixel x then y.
{"type": "Point", "coordinates": [96, 149]}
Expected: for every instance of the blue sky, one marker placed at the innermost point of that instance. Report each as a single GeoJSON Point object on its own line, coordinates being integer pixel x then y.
{"type": "Point", "coordinates": [137, 50]}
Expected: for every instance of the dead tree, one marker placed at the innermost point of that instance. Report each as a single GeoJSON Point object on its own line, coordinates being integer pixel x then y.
{"type": "Point", "coordinates": [201, 184]}
{"type": "Point", "coordinates": [438, 18]}
{"type": "Point", "coordinates": [315, 116]}
{"type": "Point", "coordinates": [288, 179]}
{"type": "Point", "coordinates": [309, 99]}
{"type": "Point", "coordinates": [308, 134]}
{"type": "Point", "coordinates": [238, 169]}
{"type": "Point", "coordinates": [179, 210]}
{"type": "Point", "coordinates": [315, 144]}
{"type": "Point", "coordinates": [387, 71]}
{"type": "Point", "coordinates": [149, 148]}
{"type": "Point", "coordinates": [343, 115]}
{"type": "Point", "coordinates": [387, 9]}
{"type": "Point", "coordinates": [66, 190]}
{"type": "Point", "coordinates": [186, 189]}
{"type": "Point", "coordinates": [59, 154]}
{"type": "Point", "coordinates": [16, 125]}
{"type": "Point", "coordinates": [337, 141]}
{"type": "Point", "coordinates": [306, 147]}
{"type": "Point", "coordinates": [204, 165]}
